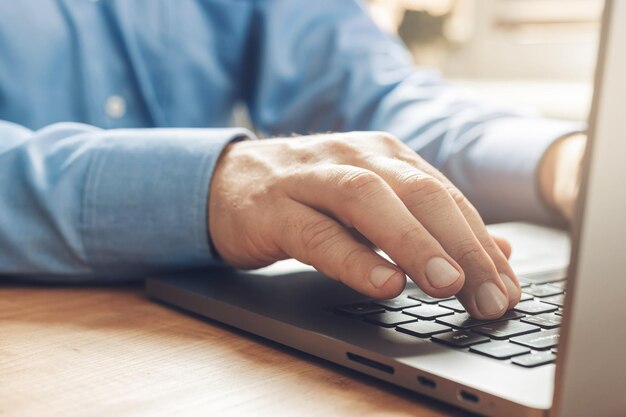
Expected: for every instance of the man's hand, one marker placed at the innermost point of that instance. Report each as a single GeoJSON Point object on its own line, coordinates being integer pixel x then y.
{"type": "Point", "coordinates": [560, 173]}
{"type": "Point", "coordinates": [301, 197]}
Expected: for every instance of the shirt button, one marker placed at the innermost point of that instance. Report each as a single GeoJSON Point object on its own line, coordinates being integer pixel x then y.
{"type": "Point", "coordinates": [115, 107]}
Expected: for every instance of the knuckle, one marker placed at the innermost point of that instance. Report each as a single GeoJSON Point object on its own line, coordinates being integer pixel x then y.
{"type": "Point", "coordinates": [458, 197]}
{"type": "Point", "coordinates": [411, 237]}
{"type": "Point", "coordinates": [351, 261]}
{"type": "Point", "coordinates": [340, 146]}
{"type": "Point", "coordinates": [490, 246]}
{"type": "Point", "coordinates": [388, 139]}
{"type": "Point", "coordinates": [467, 250]}
{"type": "Point", "coordinates": [422, 189]}
{"type": "Point", "coordinates": [318, 235]}
{"type": "Point", "coordinates": [360, 183]}
{"type": "Point", "coordinates": [493, 250]}
{"type": "Point", "coordinates": [462, 202]}
{"type": "Point", "coordinates": [489, 243]}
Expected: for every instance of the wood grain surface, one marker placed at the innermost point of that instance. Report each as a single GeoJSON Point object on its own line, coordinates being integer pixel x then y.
{"type": "Point", "coordinates": [110, 351]}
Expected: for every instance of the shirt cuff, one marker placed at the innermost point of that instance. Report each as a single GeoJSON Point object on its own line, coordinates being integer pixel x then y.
{"type": "Point", "coordinates": [146, 199]}
{"type": "Point", "coordinates": [499, 173]}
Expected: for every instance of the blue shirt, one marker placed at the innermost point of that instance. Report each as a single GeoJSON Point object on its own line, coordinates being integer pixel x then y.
{"type": "Point", "coordinates": [113, 113]}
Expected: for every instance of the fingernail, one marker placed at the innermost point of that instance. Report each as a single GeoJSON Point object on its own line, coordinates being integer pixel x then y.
{"type": "Point", "coordinates": [489, 299]}
{"type": "Point", "coordinates": [380, 275]}
{"type": "Point", "coordinates": [441, 273]}
{"type": "Point", "coordinates": [511, 288]}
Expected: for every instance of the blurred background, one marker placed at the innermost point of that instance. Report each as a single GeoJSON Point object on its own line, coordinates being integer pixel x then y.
{"type": "Point", "coordinates": [538, 54]}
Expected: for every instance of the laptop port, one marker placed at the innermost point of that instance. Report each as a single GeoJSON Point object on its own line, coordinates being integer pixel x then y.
{"type": "Point", "coordinates": [369, 362]}
{"type": "Point", "coordinates": [427, 382]}
{"type": "Point", "coordinates": [468, 397]}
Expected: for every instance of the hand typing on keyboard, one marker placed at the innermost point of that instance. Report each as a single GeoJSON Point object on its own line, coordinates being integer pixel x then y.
{"type": "Point", "coordinates": [305, 197]}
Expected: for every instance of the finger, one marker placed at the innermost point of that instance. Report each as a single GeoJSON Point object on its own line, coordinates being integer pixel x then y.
{"type": "Point", "coordinates": [500, 260]}
{"type": "Point", "coordinates": [358, 236]}
{"type": "Point", "coordinates": [359, 198]}
{"type": "Point", "coordinates": [504, 245]}
{"type": "Point", "coordinates": [315, 239]}
{"type": "Point", "coordinates": [484, 294]}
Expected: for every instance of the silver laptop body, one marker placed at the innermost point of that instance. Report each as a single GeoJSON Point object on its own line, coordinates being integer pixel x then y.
{"type": "Point", "coordinates": [294, 305]}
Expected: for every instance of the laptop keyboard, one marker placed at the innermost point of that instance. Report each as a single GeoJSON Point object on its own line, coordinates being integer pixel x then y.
{"type": "Point", "coordinates": [526, 336]}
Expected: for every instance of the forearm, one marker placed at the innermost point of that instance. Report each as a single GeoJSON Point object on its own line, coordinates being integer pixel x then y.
{"type": "Point", "coordinates": [81, 203]}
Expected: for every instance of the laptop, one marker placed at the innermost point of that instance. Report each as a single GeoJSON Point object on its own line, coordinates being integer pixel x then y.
{"type": "Point", "coordinates": [559, 353]}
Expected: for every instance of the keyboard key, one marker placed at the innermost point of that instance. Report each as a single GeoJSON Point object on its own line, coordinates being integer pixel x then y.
{"type": "Point", "coordinates": [559, 284]}
{"type": "Point", "coordinates": [547, 321]}
{"type": "Point", "coordinates": [453, 305]}
{"type": "Point", "coordinates": [389, 319]}
{"type": "Point", "coordinates": [423, 328]}
{"type": "Point", "coordinates": [420, 295]}
{"type": "Point", "coordinates": [554, 350]}
{"type": "Point", "coordinates": [526, 297]}
{"type": "Point", "coordinates": [428, 312]}
{"type": "Point", "coordinates": [505, 329]}
{"type": "Point", "coordinates": [534, 307]}
{"type": "Point", "coordinates": [523, 282]}
{"type": "Point", "coordinates": [557, 300]}
{"type": "Point", "coordinates": [559, 312]}
{"type": "Point", "coordinates": [545, 277]}
{"type": "Point", "coordinates": [534, 359]}
{"type": "Point", "coordinates": [460, 339]}
{"type": "Point", "coordinates": [397, 304]}
{"type": "Point", "coordinates": [359, 309]}
{"type": "Point", "coordinates": [542, 290]}
{"type": "Point", "coordinates": [540, 341]}
{"type": "Point", "coordinates": [465, 321]}
{"type": "Point", "coordinates": [499, 350]}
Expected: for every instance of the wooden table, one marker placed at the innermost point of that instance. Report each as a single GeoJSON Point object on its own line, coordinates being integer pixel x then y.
{"type": "Point", "coordinates": [109, 351]}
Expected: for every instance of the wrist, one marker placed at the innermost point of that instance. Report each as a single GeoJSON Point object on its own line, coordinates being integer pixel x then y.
{"type": "Point", "coordinates": [559, 173]}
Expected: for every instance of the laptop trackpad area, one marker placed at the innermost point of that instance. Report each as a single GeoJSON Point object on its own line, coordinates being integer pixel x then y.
{"type": "Point", "coordinates": [536, 249]}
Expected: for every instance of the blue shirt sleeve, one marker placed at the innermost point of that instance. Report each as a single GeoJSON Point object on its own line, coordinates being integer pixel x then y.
{"type": "Point", "coordinates": [85, 203]}
{"type": "Point", "coordinates": [325, 66]}
{"type": "Point", "coordinates": [80, 202]}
